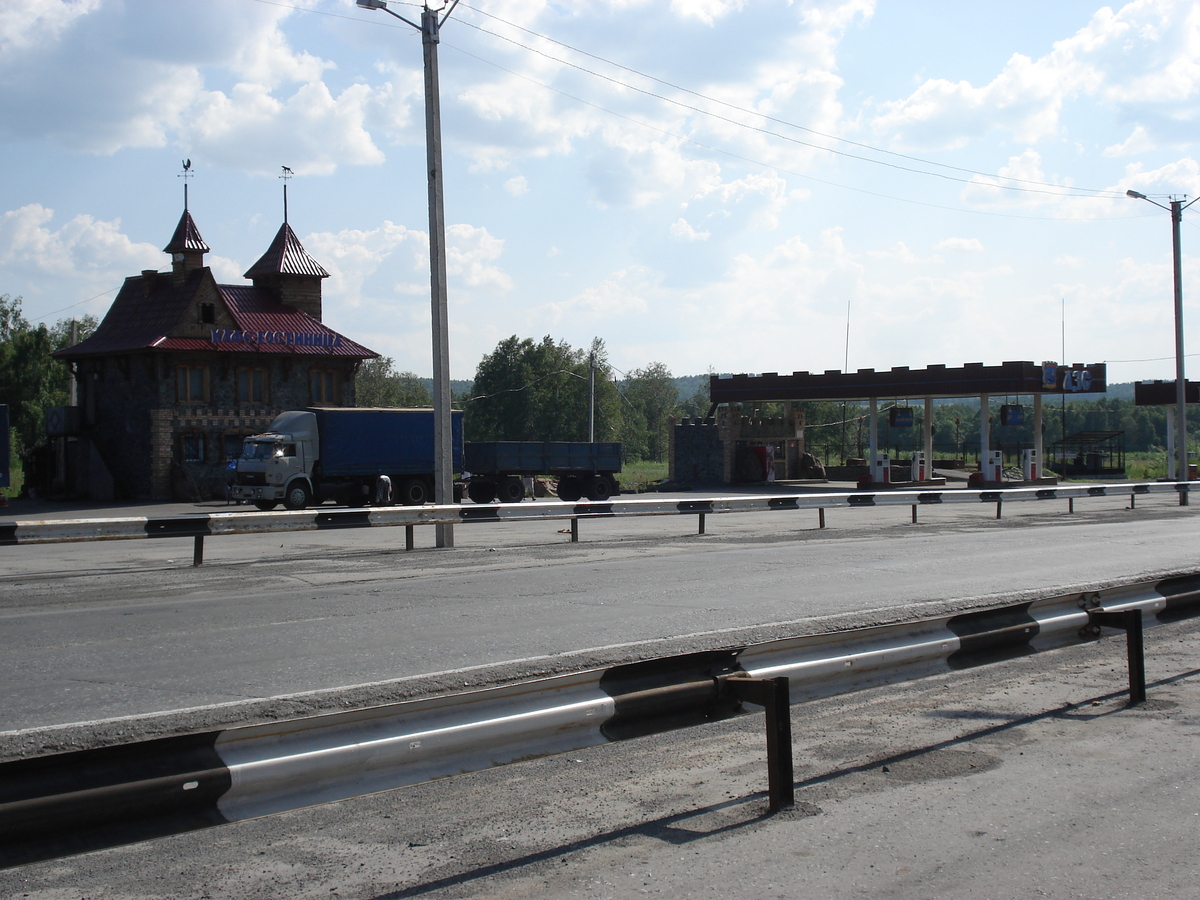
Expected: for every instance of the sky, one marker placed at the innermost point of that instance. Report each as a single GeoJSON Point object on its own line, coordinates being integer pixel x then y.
{"type": "Point", "coordinates": [715, 185]}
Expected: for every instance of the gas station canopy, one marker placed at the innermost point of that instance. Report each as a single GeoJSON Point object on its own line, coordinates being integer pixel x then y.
{"type": "Point", "coordinates": [970, 380]}
{"type": "Point", "coordinates": [1008, 379]}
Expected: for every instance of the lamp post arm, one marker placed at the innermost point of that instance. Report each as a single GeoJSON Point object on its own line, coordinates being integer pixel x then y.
{"type": "Point", "coordinates": [398, 16]}
{"type": "Point", "coordinates": [447, 15]}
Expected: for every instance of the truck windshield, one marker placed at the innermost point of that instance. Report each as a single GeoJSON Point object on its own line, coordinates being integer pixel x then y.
{"type": "Point", "coordinates": [259, 449]}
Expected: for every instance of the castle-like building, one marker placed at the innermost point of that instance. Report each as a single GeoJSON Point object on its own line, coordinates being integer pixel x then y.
{"type": "Point", "coordinates": [181, 369]}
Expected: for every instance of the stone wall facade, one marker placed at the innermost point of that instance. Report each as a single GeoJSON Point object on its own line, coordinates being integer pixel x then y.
{"type": "Point", "coordinates": [696, 455]}
{"type": "Point", "coordinates": [159, 446]}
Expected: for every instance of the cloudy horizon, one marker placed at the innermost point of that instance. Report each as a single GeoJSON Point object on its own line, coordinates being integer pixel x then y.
{"type": "Point", "coordinates": [724, 185]}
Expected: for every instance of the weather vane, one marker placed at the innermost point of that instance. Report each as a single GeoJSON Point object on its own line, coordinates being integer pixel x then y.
{"type": "Point", "coordinates": [285, 175]}
{"type": "Point", "coordinates": [185, 175]}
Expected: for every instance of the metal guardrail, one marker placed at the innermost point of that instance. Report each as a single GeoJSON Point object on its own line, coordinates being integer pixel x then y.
{"type": "Point", "coordinates": [74, 802]}
{"type": "Point", "coordinates": [199, 527]}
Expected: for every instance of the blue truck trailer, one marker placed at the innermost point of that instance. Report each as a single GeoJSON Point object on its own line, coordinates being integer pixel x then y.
{"type": "Point", "coordinates": [340, 453]}
{"type": "Point", "coordinates": [582, 469]}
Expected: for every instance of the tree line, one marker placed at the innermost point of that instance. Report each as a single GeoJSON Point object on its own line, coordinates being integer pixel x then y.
{"type": "Point", "coordinates": [528, 389]}
{"type": "Point", "coordinates": [547, 390]}
{"type": "Point", "coordinates": [31, 380]}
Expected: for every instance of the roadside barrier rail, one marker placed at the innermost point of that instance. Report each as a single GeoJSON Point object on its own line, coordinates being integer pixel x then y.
{"type": "Point", "coordinates": [85, 800]}
{"type": "Point", "coordinates": [198, 527]}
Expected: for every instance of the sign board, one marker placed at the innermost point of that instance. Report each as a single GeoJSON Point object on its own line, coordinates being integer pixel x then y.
{"type": "Point", "coordinates": [1079, 379]}
{"type": "Point", "coordinates": [288, 338]}
{"type": "Point", "coordinates": [1012, 414]}
{"type": "Point", "coordinates": [900, 417]}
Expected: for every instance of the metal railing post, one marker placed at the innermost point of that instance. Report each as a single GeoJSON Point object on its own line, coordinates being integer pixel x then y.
{"type": "Point", "coordinates": [1129, 621]}
{"type": "Point", "coordinates": [774, 695]}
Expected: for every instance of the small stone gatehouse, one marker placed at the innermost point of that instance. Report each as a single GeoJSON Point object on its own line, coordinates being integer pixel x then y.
{"type": "Point", "coordinates": [181, 369]}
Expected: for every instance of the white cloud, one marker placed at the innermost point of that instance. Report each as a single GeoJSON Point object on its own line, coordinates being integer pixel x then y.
{"type": "Point", "coordinates": [517, 185]}
{"type": "Point", "coordinates": [960, 245]}
{"type": "Point", "coordinates": [252, 130]}
{"type": "Point", "coordinates": [352, 256]}
{"type": "Point", "coordinates": [1137, 142]}
{"type": "Point", "coordinates": [470, 256]}
{"type": "Point", "coordinates": [683, 229]}
{"type": "Point", "coordinates": [1145, 53]}
{"type": "Point", "coordinates": [81, 247]}
{"type": "Point", "coordinates": [707, 11]}
{"type": "Point", "coordinates": [32, 23]}
{"type": "Point", "coordinates": [1179, 177]}
{"type": "Point", "coordinates": [620, 294]}
{"type": "Point", "coordinates": [102, 76]}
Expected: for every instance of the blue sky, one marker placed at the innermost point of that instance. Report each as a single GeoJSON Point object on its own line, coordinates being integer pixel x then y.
{"type": "Point", "coordinates": [724, 185]}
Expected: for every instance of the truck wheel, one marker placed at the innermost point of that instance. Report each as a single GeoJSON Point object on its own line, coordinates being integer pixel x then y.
{"type": "Point", "coordinates": [599, 488]}
{"type": "Point", "coordinates": [481, 491]}
{"type": "Point", "coordinates": [512, 490]}
{"type": "Point", "coordinates": [265, 505]}
{"type": "Point", "coordinates": [413, 492]}
{"type": "Point", "coordinates": [570, 488]}
{"type": "Point", "coordinates": [298, 496]}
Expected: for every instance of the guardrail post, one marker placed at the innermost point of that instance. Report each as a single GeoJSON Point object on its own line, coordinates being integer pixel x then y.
{"type": "Point", "coordinates": [408, 536]}
{"type": "Point", "coordinates": [1183, 496]}
{"type": "Point", "coordinates": [1129, 621]}
{"type": "Point", "coordinates": [1071, 505]}
{"type": "Point", "coordinates": [774, 696]}
{"type": "Point", "coordinates": [821, 516]}
{"type": "Point", "coordinates": [914, 513]}
{"type": "Point", "coordinates": [701, 531]}
{"type": "Point", "coordinates": [1133, 501]}
{"type": "Point", "coordinates": [198, 550]}
{"type": "Point", "coordinates": [998, 504]}
{"type": "Point", "coordinates": [575, 530]}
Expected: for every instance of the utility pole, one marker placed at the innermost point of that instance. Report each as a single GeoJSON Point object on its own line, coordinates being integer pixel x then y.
{"type": "Point", "coordinates": [1176, 209]}
{"type": "Point", "coordinates": [592, 397]}
{"type": "Point", "coordinates": [443, 435]}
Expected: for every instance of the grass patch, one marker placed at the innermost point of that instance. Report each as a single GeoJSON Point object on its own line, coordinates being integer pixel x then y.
{"type": "Point", "coordinates": [637, 474]}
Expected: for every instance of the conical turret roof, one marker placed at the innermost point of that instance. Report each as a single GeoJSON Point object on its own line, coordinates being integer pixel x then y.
{"type": "Point", "coordinates": [186, 236]}
{"type": "Point", "coordinates": [286, 256]}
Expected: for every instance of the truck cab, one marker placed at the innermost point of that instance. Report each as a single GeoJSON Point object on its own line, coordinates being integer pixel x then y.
{"type": "Point", "coordinates": [278, 465]}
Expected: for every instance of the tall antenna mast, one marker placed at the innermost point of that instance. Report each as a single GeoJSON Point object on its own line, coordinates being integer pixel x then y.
{"type": "Point", "coordinates": [185, 175]}
{"type": "Point", "coordinates": [287, 174]}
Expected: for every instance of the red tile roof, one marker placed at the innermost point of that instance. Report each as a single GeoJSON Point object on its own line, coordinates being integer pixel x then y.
{"type": "Point", "coordinates": [141, 320]}
{"type": "Point", "coordinates": [186, 236]}
{"type": "Point", "coordinates": [286, 256]}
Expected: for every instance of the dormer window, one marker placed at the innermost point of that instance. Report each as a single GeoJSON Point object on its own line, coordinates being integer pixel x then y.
{"type": "Point", "coordinates": [208, 313]}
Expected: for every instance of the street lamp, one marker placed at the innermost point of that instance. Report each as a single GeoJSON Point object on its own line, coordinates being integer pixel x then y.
{"type": "Point", "coordinates": [1176, 210]}
{"type": "Point", "coordinates": [443, 437]}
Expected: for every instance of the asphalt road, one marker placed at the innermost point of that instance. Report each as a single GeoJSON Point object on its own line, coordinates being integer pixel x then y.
{"type": "Point", "coordinates": [1026, 778]}
{"type": "Point", "coordinates": [91, 631]}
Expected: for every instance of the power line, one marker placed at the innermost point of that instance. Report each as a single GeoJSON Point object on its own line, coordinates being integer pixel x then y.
{"type": "Point", "coordinates": [771, 166]}
{"type": "Point", "coordinates": [73, 305]}
{"type": "Point", "coordinates": [1010, 183]}
{"type": "Point", "coordinates": [1061, 190]}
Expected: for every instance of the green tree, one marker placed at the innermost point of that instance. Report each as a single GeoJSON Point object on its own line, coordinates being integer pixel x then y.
{"type": "Point", "coordinates": [527, 391]}
{"type": "Point", "coordinates": [651, 399]}
{"type": "Point", "coordinates": [379, 384]}
{"type": "Point", "coordinates": [31, 380]}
